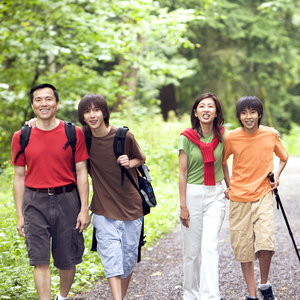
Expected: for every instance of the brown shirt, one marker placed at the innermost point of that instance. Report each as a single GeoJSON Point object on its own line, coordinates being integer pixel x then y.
{"type": "Point", "coordinates": [110, 199]}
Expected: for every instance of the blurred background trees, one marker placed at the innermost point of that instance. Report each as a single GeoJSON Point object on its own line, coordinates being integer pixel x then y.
{"type": "Point", "coordinates": [148, 57]}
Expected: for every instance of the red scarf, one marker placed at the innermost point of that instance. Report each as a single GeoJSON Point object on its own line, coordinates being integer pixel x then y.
{"type": "Point", "coordinates": [207, 151]}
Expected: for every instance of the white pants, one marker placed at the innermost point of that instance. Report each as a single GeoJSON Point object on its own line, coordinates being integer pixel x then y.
{"type": "Point", "coordinates": [206, 205]}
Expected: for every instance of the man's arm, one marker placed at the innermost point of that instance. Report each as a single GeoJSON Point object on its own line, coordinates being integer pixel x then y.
{"type": "Point", "coordinates": [19, 190]}
{"type": "Point", "coordinates": [83, 219]}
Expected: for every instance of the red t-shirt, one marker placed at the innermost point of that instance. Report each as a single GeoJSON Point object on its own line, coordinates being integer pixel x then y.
{"type": "Point", "coordinates": [48, 164]}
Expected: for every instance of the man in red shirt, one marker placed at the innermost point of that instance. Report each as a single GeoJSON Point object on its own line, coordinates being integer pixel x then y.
{"type": "Point", "coordinates": [51, 204]}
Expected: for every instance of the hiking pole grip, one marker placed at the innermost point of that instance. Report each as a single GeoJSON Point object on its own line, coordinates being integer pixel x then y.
{"type": "Point", "coordinates": [271, 177]}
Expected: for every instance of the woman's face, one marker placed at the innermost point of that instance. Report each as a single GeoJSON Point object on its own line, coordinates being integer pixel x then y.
{"type": "Point", "coordinates": [206, 111]}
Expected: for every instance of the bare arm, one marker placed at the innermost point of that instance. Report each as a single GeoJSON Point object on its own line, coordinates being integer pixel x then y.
{"type": "Point", "coordinates": [124, 161]}
{"type": "Point", "coordinates": [183, 165]}
{"type": "Point", "coordinates": [83, 219]}
{"type": "Point", "coordinates": [19, 190]}
{"type": "Point", "coordinates": [281, 166]}
{"type": "Point", "coordinates": [227, 179]}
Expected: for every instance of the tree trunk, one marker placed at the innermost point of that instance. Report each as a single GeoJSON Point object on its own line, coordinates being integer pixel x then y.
{"type": "Point", "coordinates": [168, 100]}
{"type": "Point", "coordinates": [130, 80]}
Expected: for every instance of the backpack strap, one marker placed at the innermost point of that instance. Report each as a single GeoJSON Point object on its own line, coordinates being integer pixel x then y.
{"type": "Point", "coordinates": [88, 143]}
{"type": "Point", "coordinates": [24, 139]}
{"type": "Point", "coordinates": [119, 146]}
{"type": "Point", "coordinates": [72, 139]}
{"type": "Point", "coordinates": [141, 243]}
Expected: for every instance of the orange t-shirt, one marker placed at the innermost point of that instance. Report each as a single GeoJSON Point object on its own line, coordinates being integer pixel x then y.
{"type": "Point", "coordinates": [252, 162]}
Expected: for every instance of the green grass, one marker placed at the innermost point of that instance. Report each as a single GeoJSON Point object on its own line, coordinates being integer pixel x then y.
{"type": "Point", "coordinates": [158, 140]}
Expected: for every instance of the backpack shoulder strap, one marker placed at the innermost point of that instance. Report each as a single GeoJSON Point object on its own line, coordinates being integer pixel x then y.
{"type": "Point", "coordinates": [119, 141]}
{"type": "Point", "coordinates": [88, 143]}
{"type": "Point", "coordinates": [24, 139]}
{"type": "Point", "coordinates": [72, 139]}
{"type": "Point", "coordinates": [88, 139]}
{"type": "Point", "coordinates": [119, 146]}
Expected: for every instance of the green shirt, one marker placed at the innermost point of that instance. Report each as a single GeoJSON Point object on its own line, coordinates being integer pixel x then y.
{"type": "Point", "coordinates": [195, 173]}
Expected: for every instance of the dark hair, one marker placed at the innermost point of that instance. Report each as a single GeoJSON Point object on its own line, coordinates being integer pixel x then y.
{"type": "Point", "coordinates": [86, 103]}
{"type": "Point", "coordinates": [42, 86]}
{"type": "Point", "coordinates": [218, 121]}
{"type": "Point", "coordinates": [249, 102]}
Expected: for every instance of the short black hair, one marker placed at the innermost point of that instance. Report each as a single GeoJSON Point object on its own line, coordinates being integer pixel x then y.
{"type": "Point", "coordinates": [42, 86]}
{"type": "Point", "coordinates": [249, 102]}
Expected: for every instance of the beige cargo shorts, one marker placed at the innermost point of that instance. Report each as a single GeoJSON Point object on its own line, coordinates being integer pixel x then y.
{"type": "Point", "coordinates": [251, 228]}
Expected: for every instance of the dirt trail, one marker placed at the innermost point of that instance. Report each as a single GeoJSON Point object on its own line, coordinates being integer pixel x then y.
{"type": "Point", "coordinates": [159, 275]}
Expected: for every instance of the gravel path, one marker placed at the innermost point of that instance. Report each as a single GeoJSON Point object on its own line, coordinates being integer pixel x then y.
{"type": "Point", "coordinates": [159, 275]}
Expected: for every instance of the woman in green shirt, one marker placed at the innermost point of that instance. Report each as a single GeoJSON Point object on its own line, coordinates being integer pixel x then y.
{"type": "Point", "coordinates": [202, 201]}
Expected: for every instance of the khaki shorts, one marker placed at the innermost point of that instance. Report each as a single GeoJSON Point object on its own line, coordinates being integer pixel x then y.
{"type": "Point", "coordinates": [251, 228]}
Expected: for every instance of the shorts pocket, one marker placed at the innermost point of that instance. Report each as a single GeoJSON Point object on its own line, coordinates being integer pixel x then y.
{"type": "Point", "coordinates": [77, 244]}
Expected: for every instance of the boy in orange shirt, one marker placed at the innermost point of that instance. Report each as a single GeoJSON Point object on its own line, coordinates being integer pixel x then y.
{"type": "Point", "coordinates": [250, 192]}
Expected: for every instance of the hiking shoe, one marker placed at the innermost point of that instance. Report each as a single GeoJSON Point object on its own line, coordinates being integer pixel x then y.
{"type": "Point", "coordinates": [268, 294]}
{"type": "Point", "coordinates": [251, 298]}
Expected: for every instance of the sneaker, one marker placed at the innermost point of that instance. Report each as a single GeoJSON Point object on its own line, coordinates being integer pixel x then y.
{"type": "Point", "coordinates": [251, 298]}
{"type": "Point", "coordinates": [268, 294]}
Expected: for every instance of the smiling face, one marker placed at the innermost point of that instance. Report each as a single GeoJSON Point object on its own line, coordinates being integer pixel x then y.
{"type": "Point", "coordinates": [93, 117]}
{"type": "Point", "coordinates": [206, 111]}
{"type": "Point", "coordinates": [44, 104]}
{"type": "Point", "coordinates": [249, 118]}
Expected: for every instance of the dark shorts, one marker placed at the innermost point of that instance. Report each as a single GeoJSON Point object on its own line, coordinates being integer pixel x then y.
{"type": "Point", "coordinates": [49, 221]}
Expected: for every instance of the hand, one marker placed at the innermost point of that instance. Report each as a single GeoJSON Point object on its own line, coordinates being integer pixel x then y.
{"type": "Point", "coordinates": [83, 220]}
{"type": "Point", "coordinates": [20, 226]}
{"type": "Point", "coordinates": [123, 160]}
{"type": "Point", "coordinates": [226, 193]}
{"type": "Point", "coordinates": [185, 216]}
{"type": "Point", "coordinates": [274, 184]}
{"type": "Point", "coordinates": [31, 123]}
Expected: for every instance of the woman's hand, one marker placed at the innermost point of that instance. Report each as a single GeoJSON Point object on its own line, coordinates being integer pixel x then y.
{"type": "Point", "coordinates": [185, 216]}
{"type": "Point", "coordinates": [226, 193]}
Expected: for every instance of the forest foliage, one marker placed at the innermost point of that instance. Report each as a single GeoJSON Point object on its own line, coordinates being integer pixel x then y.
{"type": "Point", "coordinates": [128, 51]}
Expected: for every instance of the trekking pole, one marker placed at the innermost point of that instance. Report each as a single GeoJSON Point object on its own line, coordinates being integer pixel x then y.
{"type": "Point", "coordinates": [279, 204]}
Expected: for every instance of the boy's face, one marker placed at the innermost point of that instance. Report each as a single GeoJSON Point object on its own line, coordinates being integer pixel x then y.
{"type": "Point", "coordinates": [249, 118]}
{"type": "Point", "coordinates": [93, 117]}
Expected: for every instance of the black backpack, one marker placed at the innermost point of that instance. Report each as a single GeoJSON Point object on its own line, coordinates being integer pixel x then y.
{"type": "Point", "coordinates": [70, 133]}
{"type": "Point", "coordinates": [145, 188]}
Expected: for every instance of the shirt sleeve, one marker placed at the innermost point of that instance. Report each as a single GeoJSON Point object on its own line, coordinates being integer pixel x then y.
{"type": "Point", "coordinates": [183, 144]}
{"type": "Point", "coordinates": [132, 148]}
{"type": "Point", "coordinates": [280, 150]}
{"type": "Point", "coordinates": [15, 146]}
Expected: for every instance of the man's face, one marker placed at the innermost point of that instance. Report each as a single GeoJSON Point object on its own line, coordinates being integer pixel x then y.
{"type": "Point", "coordinates": [249, 118]}
{"type": "Point", "coordinates": [93, 117]}
{"type": "Point", "coordinates": [44, 104]}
